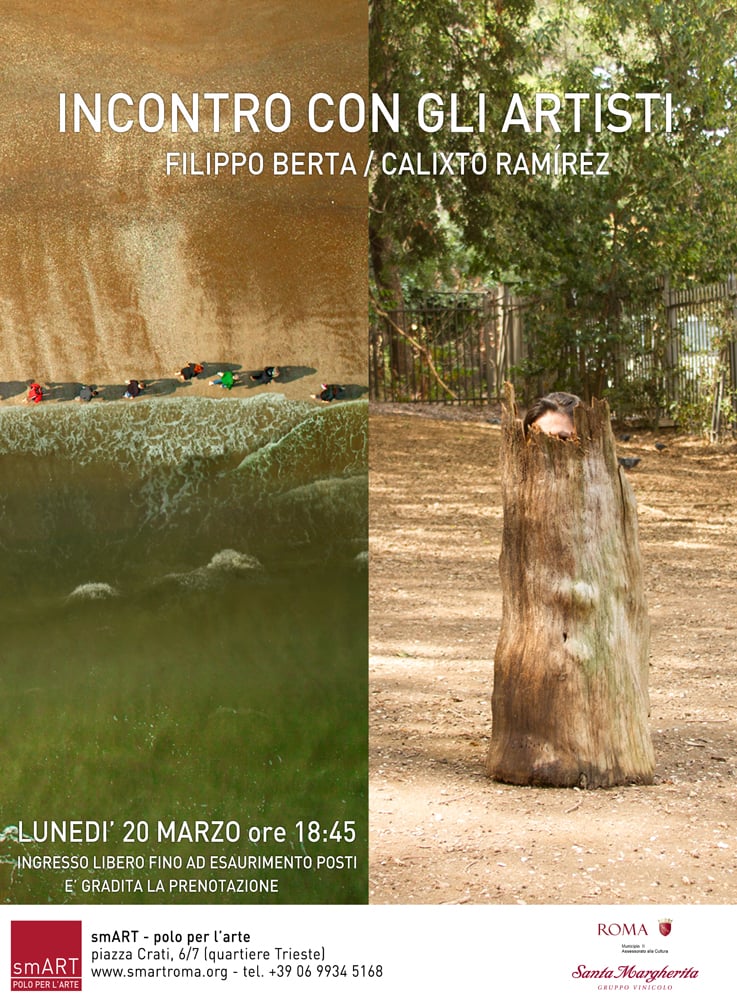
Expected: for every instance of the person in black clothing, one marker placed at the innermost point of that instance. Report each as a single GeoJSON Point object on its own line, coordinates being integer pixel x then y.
{"type": "Point", "coordinates": [189, 371]}
{"type": "Point", "coordinates": [267, 375]}
{"type": "Point", "coordinates": [329, 393]}
{"type": "Point", "coordinates": [133, 389]}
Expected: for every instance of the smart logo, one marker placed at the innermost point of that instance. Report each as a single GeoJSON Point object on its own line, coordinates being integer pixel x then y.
{"type": "Point", "coordinates": [46, 955]}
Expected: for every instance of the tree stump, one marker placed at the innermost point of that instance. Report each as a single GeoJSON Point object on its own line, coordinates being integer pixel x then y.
{"type": "Point", "coordinates": [570, 703]}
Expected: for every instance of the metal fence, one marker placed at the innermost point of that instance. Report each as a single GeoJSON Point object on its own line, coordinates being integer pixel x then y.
{"type": "Point", "coordinates": [446, 348]}
{"type": "Point", "coordinates": [674, 350]}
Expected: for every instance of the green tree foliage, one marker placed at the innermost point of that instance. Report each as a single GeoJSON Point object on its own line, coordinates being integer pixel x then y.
{"type": "Point", "coordinates": [450, 46]}
{"type": "Point", "coordinates": [666, 206]}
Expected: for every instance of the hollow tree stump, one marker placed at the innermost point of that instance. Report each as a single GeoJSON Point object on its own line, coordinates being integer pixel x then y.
{"type": "Point", "coordinates": [570, 702]}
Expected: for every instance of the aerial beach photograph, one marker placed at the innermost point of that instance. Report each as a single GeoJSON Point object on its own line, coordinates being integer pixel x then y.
{"type": "Point", "coordinates": [183, 470]}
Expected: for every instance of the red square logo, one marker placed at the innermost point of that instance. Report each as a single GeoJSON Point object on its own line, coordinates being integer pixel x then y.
{"type": "Point", "coordinates": [46, 955]}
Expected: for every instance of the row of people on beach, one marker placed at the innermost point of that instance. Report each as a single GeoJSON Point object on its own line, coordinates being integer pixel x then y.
{"type": "Point", "coordinates": [192, 370]}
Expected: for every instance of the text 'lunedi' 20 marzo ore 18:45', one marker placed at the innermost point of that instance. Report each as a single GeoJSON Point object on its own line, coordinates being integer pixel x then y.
{"type": "Point", "coordinates": [312, 831]}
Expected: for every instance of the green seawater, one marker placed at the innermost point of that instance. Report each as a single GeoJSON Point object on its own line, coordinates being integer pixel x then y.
{"type": "Point", "coordinates": [183, 605]}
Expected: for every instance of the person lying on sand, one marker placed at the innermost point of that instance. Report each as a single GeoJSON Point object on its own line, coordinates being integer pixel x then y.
{"type": "Point", "coordinates": [329, 392]}
{"type": "Point", "coordinates": [35, 393]}
{"type": "Point", "coordinates": [189, 371]}
{"type": "Point", "coordinates": [133, 389]}
{"type": "Point", "coordinates": [86, 393]}
{"type": "Point", "coordinates": [267, 375]}
{"type": "Point", "coordinates": [226, 379]}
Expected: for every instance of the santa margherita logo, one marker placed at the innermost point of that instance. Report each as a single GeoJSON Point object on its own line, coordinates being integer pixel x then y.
{"type": "Point", "coordinates": [46, 955]}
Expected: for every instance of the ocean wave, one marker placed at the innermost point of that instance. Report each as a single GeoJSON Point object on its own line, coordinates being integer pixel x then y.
{"type": "Point", "coordinates": [331, 512]}
{"type": "Point", "coordinates": [151, 432]}
{"type": "Point", "coordinates": [325, 445]}
{"type": "Point", "coordinates": [92, 592]}
{"type": "Point", "coordinates": [226, 563]}
{"type": "Point", "coordinates": [116, 488]}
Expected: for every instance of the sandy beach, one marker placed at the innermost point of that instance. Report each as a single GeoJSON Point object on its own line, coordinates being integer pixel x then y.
{"type": "Point", "coordinates": [112, 269]}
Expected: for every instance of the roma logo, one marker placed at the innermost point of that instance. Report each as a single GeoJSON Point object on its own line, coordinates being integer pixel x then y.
{"type": "Point", "coordinates": [664, 926]}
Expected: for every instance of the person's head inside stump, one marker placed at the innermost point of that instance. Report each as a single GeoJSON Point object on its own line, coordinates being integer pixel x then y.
{"type": "Point", "coordinates": [553, 414]}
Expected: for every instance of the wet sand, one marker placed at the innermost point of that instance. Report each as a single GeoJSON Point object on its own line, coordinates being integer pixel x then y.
{"type": "Point", "coordinates": [303, 386]}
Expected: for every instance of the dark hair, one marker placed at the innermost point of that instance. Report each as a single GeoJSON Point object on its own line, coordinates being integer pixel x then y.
{"type": "Point", "coordinates": [554, 402]}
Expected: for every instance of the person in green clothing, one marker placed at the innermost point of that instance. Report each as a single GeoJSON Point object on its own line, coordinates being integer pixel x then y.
{"type": "Point", "coordinates": [226, 379]}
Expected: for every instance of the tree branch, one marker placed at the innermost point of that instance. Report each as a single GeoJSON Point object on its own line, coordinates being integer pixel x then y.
{"type": "Point", "coordinates": [420, 348]}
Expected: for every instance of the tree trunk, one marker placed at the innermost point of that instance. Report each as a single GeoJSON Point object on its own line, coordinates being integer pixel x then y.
{"type": "Point", "coordinates": [391, 298]}
{"type": "Point", "coordinates": [570, 703]}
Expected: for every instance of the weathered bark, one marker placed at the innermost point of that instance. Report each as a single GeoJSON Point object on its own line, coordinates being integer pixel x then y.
{"type": "Point", "coordinates": [570, 701]}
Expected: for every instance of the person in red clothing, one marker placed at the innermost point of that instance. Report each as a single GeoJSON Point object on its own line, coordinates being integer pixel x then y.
{"type": "Point", "coordinates": [35, 393]}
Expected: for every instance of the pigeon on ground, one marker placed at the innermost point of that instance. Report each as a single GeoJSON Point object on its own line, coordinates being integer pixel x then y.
{"type": "Point", "coordinates": [660, 446]}
{"type": "Point", "coordinates": [624, 437]}
{"type": "Point", "coordinates": [628, 463]}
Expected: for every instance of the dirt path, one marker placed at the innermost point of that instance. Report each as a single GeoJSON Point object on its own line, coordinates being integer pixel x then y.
{"type": "Point", "coordinates": [442, 832]}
